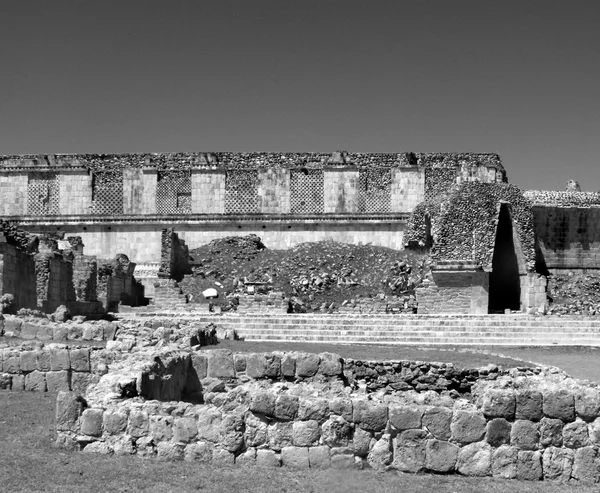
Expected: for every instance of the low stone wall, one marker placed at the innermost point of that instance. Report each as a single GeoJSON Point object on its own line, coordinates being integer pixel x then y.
{"type": "Point", "coordinates": [45, 330]}
{"type": "Point", "coordinates": [516, 426]}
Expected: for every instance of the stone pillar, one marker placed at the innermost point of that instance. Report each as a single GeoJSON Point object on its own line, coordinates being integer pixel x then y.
{"type": "Point", "coordinates": [133, 191]}
{"type": "Point", "coordinates": [13, 193]}
{"type": "Point", "coordinates": [149, 182]}
{"type": "Point", "coordinates": [208, 191]}
{"type": "Point", "coordinates": [274, 191]}
{"type": "Point", "coordinates": [408, 188]}
{"type": "Point", "coordinates": [75, 191]}
{"type": "Point", "coordinates": [341, 190]}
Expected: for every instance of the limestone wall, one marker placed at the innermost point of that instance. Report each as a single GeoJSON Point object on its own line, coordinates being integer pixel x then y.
{"type": "Point", "coordinates": [17, 276]}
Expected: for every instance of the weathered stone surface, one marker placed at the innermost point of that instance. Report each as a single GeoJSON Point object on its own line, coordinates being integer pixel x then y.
{"type": "Point", "coordinates": [575, 435]}
{"type": "Point", "coordinates": [42, 361]}
{"type": "Point", "coordinates": [286, 407]}
{"type": "Point", "coordinates": [80, 381]}
{"type": "Point", "coordinates": [198, 452]}
{"type": "Point", "coordinates": [551, 432]}
{"type": "Point", "coordinates": [263, 365]}
{"type": "Point", "coordinates": [91, 422]}
{"type": "Point", "coordinates": [440, 456]}
{"type": "Point", "coordinates": [525, 435]}
{"type": "Point", "coordinates": [557, 463]}
{"type": "Point", "coordinates": [331, 365]}
{"type": "Point", "coordinates": [263, 403]}
{"type": "Point", "coordinates": [124, 445]}
{"type": "Point", "coordinates": [170, 451]}
{"type": "Point", "coordinates": [594, 431]}
{"type": "Point", "coordinates": [199, 365]}
{"type": "Point", "coordinates": [80, 360]}
{"type": "Point", "coordinates": [499, 403]}
{"type": "Point", "coordinates": [18, 382]}
{"type": "Point", "coordinates": [587, 404]}
{"type": "Point", "coordinates": [161, 428]}
{"type": "Point", "coordinates": [307, 365]}
{"type": "Point", "coordinates": [184, 429]}
{"type": "Point", "coordinates": [529, 405]}
{"type": "Point", "coordinates": [498, 432]}
{"type": "Point", "coordinates": [342, 459]}
{"type": "Point", "coordinates": [280, 435]}
{"type": "Point", "coordinates": [410, 451]}
{"type": "Point", "coordinates": [101, 448]}
{"type": "Point", "coordinates": [305, 433]}
{"type": "Point", "coordinates": [138, 423]}
{"type": "Point", "coordinates": [319, 457]}
{"type": "Point", "coordinates": [370, 415]}
{"type": "Point", "coordinates": [361, 442]}
{"type": "Point", "coordinates": [380, 455]}
{"type": "Point", "coordinates": [232, 432]}
{"type": "Point", "coordinates": [6, 381]}
{"type": "Point", "coordinates": [222, 457]}
{"type": "Point", "coordinates": [475, 459]}
{"type": "Point", "coordinates": [59, 359]}
{"type": "Point", "coordinates": [267, 458]}
{"type": "Point", "coordinates": [255, 433]}
{"type": "Point", "coordinates": [69, 406]}
{"type": "Point", "coordinates": [467, 426]}
{"type": "Point", "coordinates": [220, 363]}
{"type": "Point", "coordinates": [559, 404]}
{"type": "Point", "coordinates": [58, 380]}
{"type": "Point", "coordinates": [35, 381]}
{"type": "Point", "coordinates": [405, 417]}
{"type": "Point", "coordinates": [316, 409]}
{"type": "Point", "coordinates": [437, 420]}
{"type": "Point", "coordinates": [586, 467]}
{"type": "Point", "coordinates": [247, 458]}
{"type": "Point", "coordinates": [504, 462]}
{"type": "Point", "coordinates": [529, 465]}
{"type": "Point", "coordinates": [114, 421]}
{"type": "Point", "coordinates": [336, 432]}
{"type": "Point", "coordinates": [239, 362]}
{"type": "Point", "coordinates": [342, 407]}
{"type": "Point", "coordinates": [28, 360]}
{"type": "Point", "coordinates": [296, 457]}
{"type": "Point", "coordinates": [288, 365]}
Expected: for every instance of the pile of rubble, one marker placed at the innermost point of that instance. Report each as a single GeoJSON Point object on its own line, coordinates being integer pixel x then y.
{"type": "Point", "coordinates": [574, 293]}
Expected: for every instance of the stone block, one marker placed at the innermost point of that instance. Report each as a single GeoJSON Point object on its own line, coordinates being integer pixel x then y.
{"type": "Point", "coordinates": [405, 417]}
{"type": "Point", "coordinates": [11, 361]}
{"type": "Point", "coordinates": [42, 360]}
{"type": "Point", "coordinates": [575, 435]}
{"type": "Point", "coordinates": [29, 330]}
{"type": "Point", "coordinates": [319, 457]}
{"type": "Point", "coordinates": [246, 458]}
{"type": "Point", "coordinates": [557, 464]}
{"type": "Point", "coordinates": [138, 424]}
{"type": "Point", "coordinates": [5, 381]}
{"type": "Point", "coordinates": [467, 426]}
{"type": "Point", "coordinates": [69, 406]}
{"type": "Point", "coordinates": [594, 431]}
{"type": "Point", "coordinates": [504, 462]}
{"type": "Point", "coordinates": [220, 363]}
{"type": "Point", "coordinates": [160, 428]}
{"type": "Point", "coordinates": [267, 458]}
{"type": "Point", "coordinates": [109, 330]}
{"type": "Point", "coordinates": [342, 458]}
{"type": "Point", "coordinates": [101, 448]}
{"type": "Point", "coordinates": [331, 365]}
{"type": "Point", "coordinates": [263, 403]}
{"type": "Point", "coordinates": [199, 365]}
{"type": "Point", "coordinates": [170, 451]}
{"type": "Point", "coordinates": [410, 451]}
{"type": "Point", "coordinates": [60, 333]}
{"type": "Point", "coordinates": [317, 409]}
{"type": "Point", "coordinates": [288, 365]}
{"type": "Point", "coordinates": [342, 407]}
{"type": "Point", "coordinates": [124, 445]}
{"type": "Point", "coordinates": [529, 465]}
{"type": "Point", "coordinates": [362, 441]}
{"type": "Point", "coordinates": [114, 421]}
{"type": "Point", "coordinates": [587, 404]}
{"type": "Point", "coordinates": [286, 407]}
{"type": "Point", "coordinates": [91, 422]}
{"type": "Point", "coordinates": [239, 363]}
{"type": "Point", "coordinates": [586, 467]}
{"type": "Point", "coordinates": [440, 456]}
{"type": "Point", "coordinates": [336, 432]}
{"type": "Point", "coordinates": [279, 435]}
{"type": "Point", "coordinates": [499, 403]}
{"type": "Point", "coordinates": [58, 380]}
{"type": "Point", "coordinates": [525, 435]}
{"type": "Point", "coordinates": [307, 365]}
{"type": "Point", "coordinates": [59, 359]}
{"type": "Point", "coordinates": [17, 382]}
{"type": "Point", "coordinates": [559, 404]}
{"type": "Point", "coordinates": [45, 333]}
{"type": "Point", "coordinates": [529, 405]}
{"type": "Point", "coordinates": [295, 457]}
{"type": "Point", "coordinates": [198, 452]}
{"type": "Point", "coordinates": [35, 381]}
{"type": "Point", "coordinates": [209, 424]}
{"type": "Point", "coordinates": [28, 361]}
{"type": "Point", "coordinates": [437, 420]}
{"type": "Point", "coordinates": [475, 459]}
{"type": "Point", "coordinates": [232, 432]}
{"type": "Point", "coordinates": [498, 432]}
{"type": "Point", "coordinates": [80, 381]}
{"type": "Point", "coordinates": [370, 415]}
{"type": "Point", "coordinates": [80, 360]}
{"type": "Point", "coordinates": [305, 433]}
{"type": "Point", "coordinates": [380, 456]}
{"type": "Point", "coordinates": [184, 429]}
{"type": "Point", "coordinates": [12, 326]}
{"type": "Point", "coordinates": [256, 365]}
{"type": "Point", "coordinates": [551, 432]}
{"type": "Point", "coordinates": [255, 433]}
{"type": "Point", "coordinates": [75, 332]}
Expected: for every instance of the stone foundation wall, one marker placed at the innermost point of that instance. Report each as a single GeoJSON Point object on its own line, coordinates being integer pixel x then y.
{"type": "Point", "coordinates": [17, 276]}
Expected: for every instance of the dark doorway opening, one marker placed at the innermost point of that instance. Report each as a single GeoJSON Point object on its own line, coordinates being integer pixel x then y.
{"type": "Point", "coordinates": [505, 286]}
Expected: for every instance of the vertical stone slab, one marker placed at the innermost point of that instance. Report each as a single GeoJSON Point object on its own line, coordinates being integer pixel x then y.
{"type": "Point", "coordinates": [408, 188]}
{"type": "Point", "coordinates": [75, 191]}
{"type": "Point", "coordinates": [341, 190]}
{"type": "Point", "coordinates": [13, 193]}
{"type": "Point", "coordinates": [208, 191]}
{"type": "Point", "coordinates": [274, 191]}
{"type": "Point", "coordinates": [133, 191]}
{"type": "Point", "coordinates": [149, 182]}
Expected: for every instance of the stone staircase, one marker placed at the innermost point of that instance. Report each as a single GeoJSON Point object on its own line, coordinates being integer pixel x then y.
{"type": "Point", "coordinates": [472, 330]}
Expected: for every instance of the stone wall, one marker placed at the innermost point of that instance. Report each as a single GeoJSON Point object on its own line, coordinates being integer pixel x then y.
{"type": "Point", "coordinates": [17, 275]}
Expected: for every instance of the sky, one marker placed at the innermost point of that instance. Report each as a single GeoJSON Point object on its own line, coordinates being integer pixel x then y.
{"type": "Point", "coordinates": [520, 78]}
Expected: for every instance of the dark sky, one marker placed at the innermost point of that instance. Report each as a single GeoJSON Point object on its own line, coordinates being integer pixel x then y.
{"type": "Point", "coordinates": [521, 78]}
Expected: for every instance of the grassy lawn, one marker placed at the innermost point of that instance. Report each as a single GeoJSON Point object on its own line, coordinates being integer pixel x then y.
{"type": "Point", "coordinates": [28, 462]}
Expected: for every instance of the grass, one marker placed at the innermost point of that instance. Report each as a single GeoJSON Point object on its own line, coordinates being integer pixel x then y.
{"type": "Point", "coordinates": [28, 462]}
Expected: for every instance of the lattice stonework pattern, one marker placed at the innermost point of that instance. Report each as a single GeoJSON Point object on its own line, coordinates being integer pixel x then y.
{"type": "Point", "coordinates": [306, 191]}
{"type": "Point", "coordinates": [174, 192]}
{"type": "Point", "coordinates": [107, 192]}
{"type": "Point", "coordinates": [375, 190]}
{"type": "Point", "coordinates": [43, 194]}
{"type": "Point", "coordinates": [241, 191]}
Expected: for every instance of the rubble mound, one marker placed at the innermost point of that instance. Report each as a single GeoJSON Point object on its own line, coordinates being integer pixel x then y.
{"type": "Point", "coordinates": [575, 293]}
